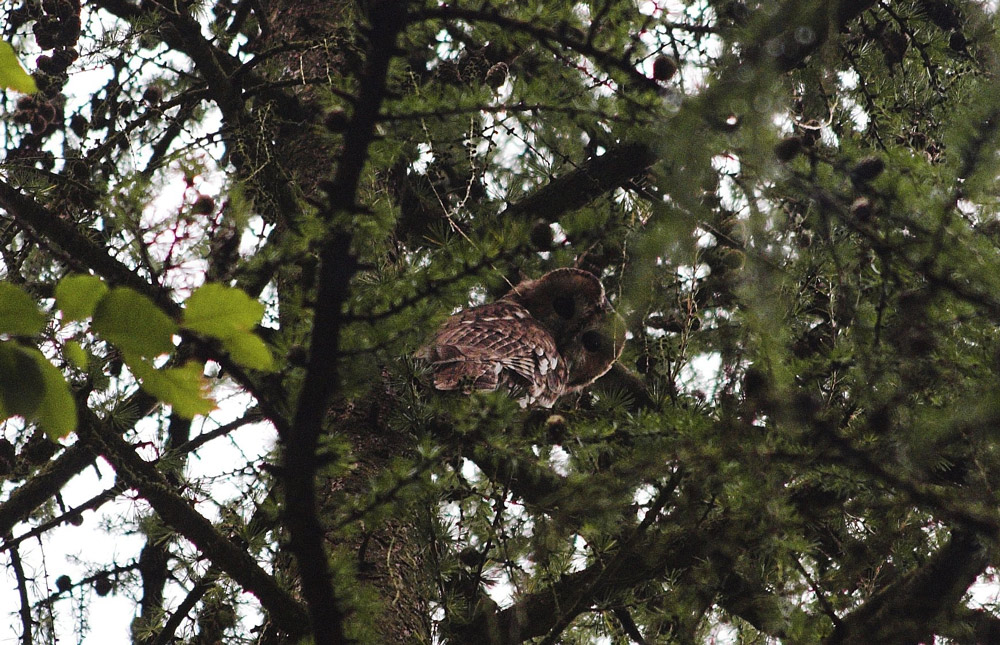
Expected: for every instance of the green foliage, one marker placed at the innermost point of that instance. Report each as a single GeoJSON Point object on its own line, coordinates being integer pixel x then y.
{"type": "Point", "coordinates": [249, 350]}
{"type": "Point", "coordinates": [133, 323]}
{"type": "Point", "coordinates": [56, 412]}
{"type": "Point", "coordinates": [77, 296]}
{"type": "Point", "coordinates": [12, 75]}
{"type": "Point", "coordinates": [19, 315]}
{"type": "Point", "coordinates": [23, 384]}
{"type": "Point", "coordinates": [76, 354]}
{"type": "Point", "coordinates": [138, 328]}
{"type": "Point", "coordinates": [230, 315]}
{"type": "Point", "coordinates": [184, 388]}
{"type": "Point", "coordinates": [221, 312]}
{"type": "Point", "coordinates": [31, 387]}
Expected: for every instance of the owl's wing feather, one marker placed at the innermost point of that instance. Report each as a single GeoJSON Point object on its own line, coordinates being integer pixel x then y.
{"type": "Point", "coordinates": [496, 345]}
{"type": "Point", "coordinates": [546, 338]}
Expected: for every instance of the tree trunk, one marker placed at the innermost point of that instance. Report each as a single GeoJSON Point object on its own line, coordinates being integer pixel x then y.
{"type": "Point", "coordinates": [388, 556]}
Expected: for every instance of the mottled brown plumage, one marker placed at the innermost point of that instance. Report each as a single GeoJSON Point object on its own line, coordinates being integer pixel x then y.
{"type": "Point", "coordinates": [546, 338]}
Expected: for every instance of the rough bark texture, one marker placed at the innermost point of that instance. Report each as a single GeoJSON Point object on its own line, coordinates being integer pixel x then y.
{"type": "Point", "coordinates": [389, 557]}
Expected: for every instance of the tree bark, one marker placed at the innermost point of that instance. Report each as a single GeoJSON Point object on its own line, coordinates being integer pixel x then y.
{"type": "Point", "coordinates": [388, 556]}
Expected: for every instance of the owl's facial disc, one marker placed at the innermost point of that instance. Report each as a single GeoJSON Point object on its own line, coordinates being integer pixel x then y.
{"type": "Point", "coordinates": [564, 306]}
{"type": "Point", "coordinates": [592, 340]}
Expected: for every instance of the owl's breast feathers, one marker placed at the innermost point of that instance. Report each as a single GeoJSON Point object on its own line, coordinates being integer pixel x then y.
{"type": "Point", "coordinates": [493, 346]}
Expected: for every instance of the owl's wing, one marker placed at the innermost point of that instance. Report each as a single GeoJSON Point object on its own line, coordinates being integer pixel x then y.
{"type": "Point", "coordinates": [493, 346]}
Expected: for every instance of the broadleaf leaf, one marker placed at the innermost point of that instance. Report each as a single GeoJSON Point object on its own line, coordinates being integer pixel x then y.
{"type": "Point", "coordinates": [133, 323]}
{"type": "Point", "coordinates": [249, 350]}
{"type": "Point", "coordinates": [76, 354]}
{"type": "Point", "coordinates": [77, 296]}
{"type": "Point", "coordinates": [183, 388]}
{"type": "Point", "coordinates": [220, 311]}
{"type": "Point", "coordinates": [22, 384]}
{"type": "Point", "coordinates": [57, 411]}
{"type": "Point", "coordinates": [19, 314]}
{"type": "Point", "coordinates": [12, 75]}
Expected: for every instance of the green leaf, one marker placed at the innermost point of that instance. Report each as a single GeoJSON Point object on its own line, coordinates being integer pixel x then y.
{"type": "Point", "coordinates": [57, 411]}
{"type": "Point", "coordinates": [249, 351]}
{"type": "Point", "coordinates": [22, 384]}
{"type": "Point", "coordinates": [12, 75]}
{"type": "Point", "coordinates": [18, 312]}
{"type": "Point", "coordinates": [221, 311]}
{"type": "Point", "coordinates": [77, 296]}
{"type": "Point", "coordinates": [32, 387]}
{"type": "Point", "coordinates": [133, 323]}
{"type": "Point", "coordinates": [229, 314]}
{"type": "Point", "coordinates": [183, 388]}
{"type": "Point", "coordinates": [76, 354]}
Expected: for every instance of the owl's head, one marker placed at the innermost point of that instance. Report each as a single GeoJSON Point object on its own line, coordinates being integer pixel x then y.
{"type": "Point", "coordinates": [572, 306]}
{"type": "Point", "coordinates": [592, 351]}
{"type": "Point", "coordinates": [564, 300]}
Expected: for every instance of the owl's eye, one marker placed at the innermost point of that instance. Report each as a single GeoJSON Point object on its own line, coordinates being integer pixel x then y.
{"type": "Point", "coordinates": [564, 306]}
{"type": "Point", "coordinates": [592, 340]}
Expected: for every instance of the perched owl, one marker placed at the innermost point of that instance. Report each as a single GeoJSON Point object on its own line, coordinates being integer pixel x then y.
{"type": "Point", "coordinates": [546, 338]}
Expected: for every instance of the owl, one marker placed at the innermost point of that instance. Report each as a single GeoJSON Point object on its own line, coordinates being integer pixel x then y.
{"type": "Point", "coordinates": [545, 338]}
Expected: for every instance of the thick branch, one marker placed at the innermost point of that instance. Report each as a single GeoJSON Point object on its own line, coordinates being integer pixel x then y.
{"type": "Point", "coordinates": [644, 557]}
{"type": "Point", "coordinates": [198, 591]}
{"type": "Point", "coordinates": [41, 487]}
{"type": "Point", "coordinates": [581, 186]}
{"type": "Point", "coordinates": [538, 613]}
{"type": "Point", "coordinates": [61, 233]}
{"type": "Point", "coordinates": [906, 611]}
{"type": "Point", "coordinates": [981, 624]}
{"type": "Point", "coordinates": [176, 511]}
{"type": "Point", "coordinates": [338, 266]}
